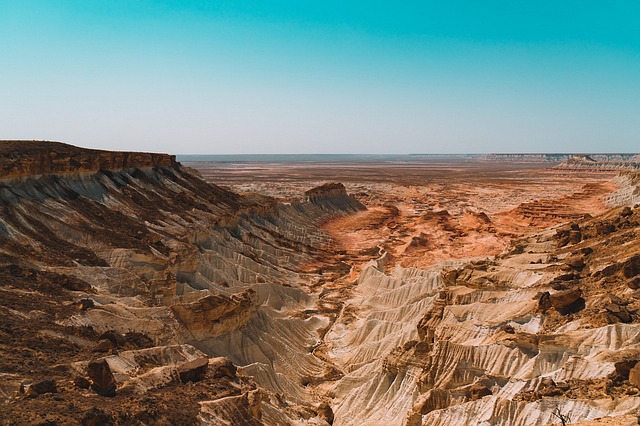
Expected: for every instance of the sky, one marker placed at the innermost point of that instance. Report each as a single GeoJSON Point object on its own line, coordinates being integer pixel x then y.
{"type": "Point", "coordinates": [297, 76]}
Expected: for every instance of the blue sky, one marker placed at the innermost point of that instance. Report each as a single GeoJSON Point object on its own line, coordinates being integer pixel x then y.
{"type": "Point", "coordinates": [225, 77]}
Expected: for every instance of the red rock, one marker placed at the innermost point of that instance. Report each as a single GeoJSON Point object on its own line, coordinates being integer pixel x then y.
{"type": "Point", "coordinates": [563, 299]}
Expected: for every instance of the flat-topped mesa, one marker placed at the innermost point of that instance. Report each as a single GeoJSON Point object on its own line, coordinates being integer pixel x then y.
{"type": "Point", "coordinates": [19, 159]}
{"type": "Point", "coordinates": [560, 157]}
{"type": "Point", "coordinates": [595, 163]}
{"type": "Point", "coordinates": [527, 158]}
{"type": "Point", "coordinates": [333, 196]}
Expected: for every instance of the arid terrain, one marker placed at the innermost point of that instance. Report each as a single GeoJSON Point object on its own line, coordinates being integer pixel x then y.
{"type": "Point", "coordinates": [428, 291]}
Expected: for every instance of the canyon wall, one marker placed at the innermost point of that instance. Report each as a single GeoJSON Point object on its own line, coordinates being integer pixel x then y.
{"type": "Point", "coordinates": [135, 292]}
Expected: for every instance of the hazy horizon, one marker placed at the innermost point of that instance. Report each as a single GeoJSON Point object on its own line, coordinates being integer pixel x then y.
{"type": "Point", "coordinates": [278, 77]}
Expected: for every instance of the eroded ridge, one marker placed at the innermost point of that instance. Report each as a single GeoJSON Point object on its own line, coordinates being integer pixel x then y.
{"type": "Point", "coordinates": [130, 282]}
{"type": "Point", "coordinates": [137, 292]}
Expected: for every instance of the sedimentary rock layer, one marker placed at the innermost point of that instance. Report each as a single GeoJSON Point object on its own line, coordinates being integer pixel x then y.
{"type": "Point", "coordinates": [20, 159]}
{"type": "Point", "coordinates": [135, 292]}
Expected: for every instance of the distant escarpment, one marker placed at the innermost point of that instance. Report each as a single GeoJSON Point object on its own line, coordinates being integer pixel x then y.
{"type": "Point", "coordinates": [20, 159]}
{"type": "Point", "coordinates": [559, 158]}
{"type": "Point", "coordinates": [594, 163]}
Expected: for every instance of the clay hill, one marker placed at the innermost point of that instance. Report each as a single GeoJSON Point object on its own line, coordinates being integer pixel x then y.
{"type": "Point", "coordinates": [133, 291]}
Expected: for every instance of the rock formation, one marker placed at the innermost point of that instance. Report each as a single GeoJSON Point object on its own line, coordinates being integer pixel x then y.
{"type": "Point", "coordinates": [135, 292]}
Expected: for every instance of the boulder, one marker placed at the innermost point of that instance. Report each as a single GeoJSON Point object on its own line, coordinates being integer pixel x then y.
{"type": "Point", "coordinates": [193, 371]}
{"type": "Point", "coordinates": [74, 284]}
{"type": "Point", "coordinates": [617, 300]}
{"type": "Point", "coordinates": [86, 303]}
{"type": "Point", "coordinates": [634, 283]}
{"type": "Point", "coordinates": [508, 328]}
{"type": "Point", "coordinates": [102, 380]}
{"type": "Point", "coordinates": [605, 228]}
{"type": "Point", "coordinates": [139, 340]}
{"type": "Point", "coordinates": [626, 211]}
{"type": "Point", "coordinates": [222, 367]}
{"type": "Point", "coordinates": [631, 267]}
{"type": "Point", "coordinates": [563, 299]}
{"type": "Point", "coordinates": [575, 237]}
{"type": "Point", "coordinates": [618, 312]}
{"type": "Point", "coordinates": [586, 251]}
{"type": "Point", "coordinates": [40, 388]}
{"type": "Point", "coordinates": [575, 262]}
{"type": "Point", "coordinates": [623, 368]}
{"type": "Point", "coordinates": [544, 301]}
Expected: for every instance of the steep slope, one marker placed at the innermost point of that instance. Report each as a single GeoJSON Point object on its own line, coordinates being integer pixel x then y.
{"type": "Point", "coordinates": [549, 326]}
{"type": "Point", "coordinates": [133, 259]}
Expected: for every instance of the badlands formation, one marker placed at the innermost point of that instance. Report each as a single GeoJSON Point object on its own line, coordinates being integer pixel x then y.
{"type": "Point", "coordinates": [137, 290]}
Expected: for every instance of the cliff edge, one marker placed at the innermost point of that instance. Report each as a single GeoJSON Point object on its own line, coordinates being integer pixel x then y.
{"type": "Point", "coordinates": [20, 159]}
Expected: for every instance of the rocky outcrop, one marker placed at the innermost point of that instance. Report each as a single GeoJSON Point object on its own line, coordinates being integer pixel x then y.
{"type": "Point", "coordinates": [213, 315]}
{"type": "Point", "coordinates": [102, 381]}
{"type": "Point", "coordinates": [628, 192]}
{"type": "Point", "coordinates": [129, 257]}
{"type": "Point", "coordinates": [333, 196]}
{"type": "Point", "coordinates": [202, 305]}
{"type": "Point", "coordinates": [20, 159]}
{"type": "Point", "coordinates": [193, 371]}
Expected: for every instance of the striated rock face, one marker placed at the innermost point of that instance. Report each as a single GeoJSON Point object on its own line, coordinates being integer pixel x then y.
{"type": "Point", "coordinates": [569, 160]}
{"type": "Point", "coordinates": [19, 159]}
{"type": "Point", "coordinates": [213, 315]}
{"type": "Point", "coordinates": [134, 258]}
{"type": "Point", "coordinates": [333, 196]}
{"type": "Point", "coordinates": [628, 192]}
{"type": "Point", "coordinates": [192, 304]}
{"type": "Point", "coordinates": [601, 163]}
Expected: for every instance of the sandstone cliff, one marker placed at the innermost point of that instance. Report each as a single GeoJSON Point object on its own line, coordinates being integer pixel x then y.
{"type": "Point", "coordinates": [19, 159]}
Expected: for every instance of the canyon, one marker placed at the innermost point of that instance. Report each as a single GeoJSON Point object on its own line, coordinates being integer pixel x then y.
{"type": "Point", "coordinates": [136, 289]}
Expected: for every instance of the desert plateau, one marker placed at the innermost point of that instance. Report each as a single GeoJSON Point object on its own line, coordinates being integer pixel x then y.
{"type": "Point", "coordinates": [136, 289]}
